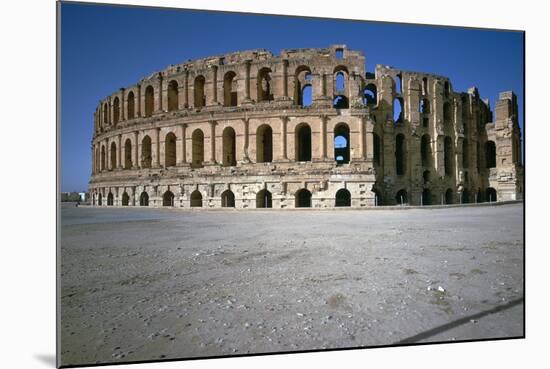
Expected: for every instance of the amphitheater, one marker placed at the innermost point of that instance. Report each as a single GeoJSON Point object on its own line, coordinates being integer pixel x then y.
{"type": "Point", "coordinates": [307, 128]}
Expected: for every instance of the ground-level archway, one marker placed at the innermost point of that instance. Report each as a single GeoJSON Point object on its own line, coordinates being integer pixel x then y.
{"type": "Point", "coordinates": [196, 199]}
{"type": "Point", "coordinates": [110, 199]}
{"type": "Point", "coordinates": [144, 199]}
{"type": "Point", "coordinates": [401, 197]}
{"type": "Point", "coordinates": [303, 198]}
{"type": "Point", "coordinates": [449, 196]}
{"type": "Point", "coordinates": [228, 199]}
{"type": "Point", "coordinates": [491, 194]}
{"type": "Point", "coordinates": [263, 199]}
{"type": "Point", "coordinates": [426, 197]}
{"type": "Point", "coordinates": [168, 198]}
{"type": "Point", "coordinates": [125, 199]}
{"type": "Point", "coordinates": [343, 198]}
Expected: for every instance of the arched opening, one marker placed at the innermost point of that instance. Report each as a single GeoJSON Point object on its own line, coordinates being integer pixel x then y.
{"type": "Point", "coordinates": [303, 142]}
{"type": "Point", "coordinates": [397, 110]}
{"type": "Point", "coordinates": [229, 147]}
{"type": "Point", "coordinates": [425, 150]}
{"type": "Point", "coordinates": [264, 144]}
{"type": "Point", "coordinates": [103, 159]}
{"type": "Point", "coordinates": [491, 154]}
{"type": "Point", "coordinates": [170, 150]}
{"type": "Point", "coordinates": [377, 149]}
{"type": "Point", "coordinates": [128, 154]}
{"type": "Point", "coordinates": [302, 79]}
{"type": "Point", "coordinates": [149, 101]}
{"type": "Point", "coordinates": [447, 116]}
{"type": "Point", "coordinates": [230, 89]}
{"type": "Point", "coordinates": [401, 197]}
{"type": "Point", "coordinates": [425, 106]}
{"type": "Point", "coordinates": [99, 200]}
{"type": "Point", "coordinates": [341, 143]}
{"type": "Point", "coordinates": [197, 148]}
{"type": "Point", "coordinates": [125, 199]}
{"type": "Point", "coordinates": [168, 198]}
{"type": "Point", "coordinates": [110, 199]}
{"type": "Point", "coordinates": [400, 154]}
{"type": "Point", "coordinates": [446, 89]}
{"type": "Point", "coordinates": [146, 158]}
{"type": "Point", "coordinates": [448, 153]}
{"type": "Point", "coordinates": [173, 96]}
{"type": "Point", "coordinates": [449, 197]}
{"type": "Point", "coordinates": [307, 95]}
{"type": "Point", "coordinates": [398, 84]}
{"type": "Point", "coordinates": [426, 197]}
{"type": "Point", "coordinates": [370, 95]}
{"type": "Point", "coordinates": [228, 199]}
{"type": "Point", "coordinates": [343, 198]}
{"type": "Point", "coordinates": [424, 86]}
{"type": "Point", "coordinates": [113, 156]}
{"type": "Point", "coordinates": [340, 100]}
{"type": "Point", "coordinates": [465, 154]}
{"type": "Point", "coordinates": [264, 85]}
{"type": "Point", "coordinates": [303, 198]}
{"type": "Point", "coordinates": [116, 110]}
{"type": "Point", "coordinates": [131, 105]}
{"type": "Point", "coordinates": [465, 196]}
{"type": "Point", "coordinates": [105, 113]}
{"type": "Point", "coordinates": [196, 199]}
{"type": "Point", "coordinates": [377, 197]}
{"type": "Point", "coordinates": [199, 98]}
{"type": "Point", "coordinates": [263, 199]}
{"type": "Point", "coordinates": [491, 194]}
{"type": "Point", "coordinates": [144, 199]}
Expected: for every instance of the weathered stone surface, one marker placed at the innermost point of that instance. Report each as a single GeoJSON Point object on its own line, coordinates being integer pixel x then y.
{"type": "Point", "coordinates": [238, 130]}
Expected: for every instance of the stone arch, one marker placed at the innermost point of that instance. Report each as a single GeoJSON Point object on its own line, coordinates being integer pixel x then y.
{"type": "Point", "coordinates": [303, 142]}
{"type": "Point", "coordinates": [401, 197]}
{"type": "Point", "coordinates": [342, 143]}
{"type": "Point", "coordinates": [264, 199]}
{"type": "Point", "coordinates": [228, 199]}
{"type": "Point", "coordinates": [400, 154]}
{"type": "Point", "coordinates": [448, 155]}
{"type": "Point", "coordinates": [340, 87]}
{"type": "Point", "coordinates": [302, 79]}
{"type": "Point", "coordinates": [343, 198]}
{"type": "Point", "coordinates": [491, 194]}
{"type": "Point", "coordinates": [199, 100]}
{"type": "Point", "coordinates": [168, 198]}
{"type": "Point", "coordinates": [116, 110]}
{"type": "Point", "coordinates": [491, 154]}
{"type": "Point", "coordinates": [113, 156]}
{"type": "Point", "coordinates": [149, 101]}
{"type": "Point", "coordinates": [303, 198]}
{"type": "Point", "coordinates": [229, 147]}
{"type": "Point", "coordinates": [197, 148]}
{"type": "Point", "coordinates": [449, 196]}
{"type": "Point", "coordinates": [128, 154]}
{"type": "Point", "coordinates": [425, 150]}
{"type": "Point", "coordinates": [370, 94]}
{"type": "Point", "coordinates": [144, 199]}
{"type": "Point", "coordinates": [110, 199]}
{"type": "Point", "coordinates": [424, 106]}
{"type": "Point", "coordinates": [173, 95]}
{"type": "Point", "coordinates": [125, 199]}
{"type": "Point", "coordinates": [146, 152]}
{"type": "Point", "coordinates": [264, 81]}
{"type": "Point", "coordinates": [264, 144]}
{"type": "Point", "coordinates": [196, 199]}
{"type": "Point", "coordinates": [230, 89]}
{"type": "Point", "coordinates": [170, 150]}
{"type": "Point", "coordinates": [131, 105]}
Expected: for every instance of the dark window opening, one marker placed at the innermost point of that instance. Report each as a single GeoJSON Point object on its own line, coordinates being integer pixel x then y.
{"type": "Point", "coordinates": [343, 198]}
{"type": "Point", "coordinates": [491, 154]}
{"type": "Point", "coordinates": [228, 199]}
{"type": "Point", "coordinates": [170, 150]}
{"type": "Point", "coordinates": [196, 199]}
{"type": "Point", "coordinates": [303, 142]}
{"type": "Point", "coordinates": [173, 96]}
{"type": "Point", "coordinates": [229, 148]}
{"type": "Point", "coordinates": [125, 199]}
{"type": "Point", "coordinates": [341, 143]}
{"type": "Point", "coordinates": [264, 144]}
{"type": "Point", "coordinates": [197, 149]}
{"type": "Point", "coordinates": [263, 199]}
{"type": "Point", "coordinates": [110, 199]}
{"type": "Point", "coordinates": [149, 101]}
{"type": "Point", "coordinates": [168, 199]}
{"type": "Point", "coordinates": [303, 198]}
{"type": "Point", "coordinates": [401, 197]}
{"type": "Point", "coordinates": [400, 154]}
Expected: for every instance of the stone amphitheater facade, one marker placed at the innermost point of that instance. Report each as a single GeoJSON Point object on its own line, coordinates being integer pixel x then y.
{"type": "Point", "coordinates": [307, 128]}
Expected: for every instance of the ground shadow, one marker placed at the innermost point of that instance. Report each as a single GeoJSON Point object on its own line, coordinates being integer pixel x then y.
{"type": "Point", "coordinates": [47, 359]}
{"type": "Point", "coordinates": [458, 322]}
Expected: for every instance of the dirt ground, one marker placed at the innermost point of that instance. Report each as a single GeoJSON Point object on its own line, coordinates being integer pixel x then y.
{"type": "Point", "coordinates": [146, 284]}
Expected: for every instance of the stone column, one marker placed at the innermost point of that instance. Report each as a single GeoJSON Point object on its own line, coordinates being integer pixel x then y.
{"type": "Point", "coordinates": [110, 109]}
{"type": "Point", "coordinates": [119, 149]}
{"type": "Point", "coordinates": [186, 92]}
{"type": "Point", "coordinates": [281, 89]}
{"type": "Point", "coordinates": [136, 151]}
{"type": "Point", "coordinates": [363, 138]}
{"type": "Point", "coordinates": [246, 158]}
{"type": "Point", "coordinates": [368, 148]}
{"type": "Point", "coordinates": [156, 151]}
{"type": "Point", "coordinates": [138, 101]}
{"type": "Point", "coordinates": [213, 96]}
{"type": "Point", "coordinates": [247, 83]}
{"type": "Point", "coordinates": [121, 108]}
{"type": "Point", "coordinates": [283, 154]}
{"type": "Point", "coordinates": [93, 159]}
{"type": "Point", "coordinates": [159, 105]}
{"type": "Point", "coordinates": [323, 138]}
{"type": "Point", "coordinates": [107, 154]}
{"type": "Point", "coordinates": [181, 148]}
{"type": "Point", "coordinates": [212, 153]}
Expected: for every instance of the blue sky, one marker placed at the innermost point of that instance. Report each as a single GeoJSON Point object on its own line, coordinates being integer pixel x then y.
{"type": "Point", "coordinates": [104, 48]}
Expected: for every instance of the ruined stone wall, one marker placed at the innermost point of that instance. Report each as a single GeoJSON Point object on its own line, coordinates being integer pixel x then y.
{"type": "Point", "coordinates": [306, 128]}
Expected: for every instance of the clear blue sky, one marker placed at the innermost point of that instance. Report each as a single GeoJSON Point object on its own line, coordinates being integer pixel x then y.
{"type": "Point", "coordinates": [104, 48]}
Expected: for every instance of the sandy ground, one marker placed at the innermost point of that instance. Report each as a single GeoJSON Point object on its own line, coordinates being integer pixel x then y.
{"type": "Point", "coordinates": [151, 284]}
